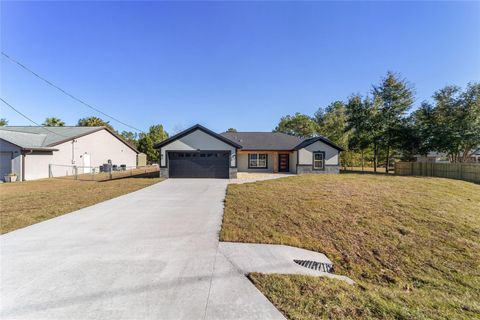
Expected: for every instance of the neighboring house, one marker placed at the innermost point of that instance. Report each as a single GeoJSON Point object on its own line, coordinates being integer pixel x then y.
{"type": "Point", "coordinates": [475, 157]}
{"type": "Point", "coordinates": [28, 151]}
{"type": "Point", "coordinates": [441, 157]}
{"type": "Point", "coordinates": [432, 157]}
{"type": "Point", "coordinates": [201, 153]}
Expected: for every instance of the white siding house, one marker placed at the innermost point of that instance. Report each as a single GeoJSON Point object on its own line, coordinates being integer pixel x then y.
{"type": "Point", "coordinates": [33, 149]}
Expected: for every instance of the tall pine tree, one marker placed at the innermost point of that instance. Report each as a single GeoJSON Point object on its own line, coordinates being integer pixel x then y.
{"type": "Point", "coordinates": [396, 98]}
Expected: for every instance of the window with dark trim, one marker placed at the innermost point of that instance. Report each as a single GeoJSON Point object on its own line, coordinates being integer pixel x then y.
{"type": "Point", "coordinates": [319, 160]}
{"type": "Point", "coordinates": [257, 160]}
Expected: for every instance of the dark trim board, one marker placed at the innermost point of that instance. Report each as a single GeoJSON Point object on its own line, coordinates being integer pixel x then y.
{"type": "Point", "coordinates": [308, 142]}
{"type": "Point", "coordinates": [297, 162]}
{"type": "Point", "coordinates": [267, 150]}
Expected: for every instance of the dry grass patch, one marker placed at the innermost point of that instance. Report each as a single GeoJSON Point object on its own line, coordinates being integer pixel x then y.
{"type": "Point", "coordinates": [412, 244]}
{"type": "Point", "coordinates": [26, 203]}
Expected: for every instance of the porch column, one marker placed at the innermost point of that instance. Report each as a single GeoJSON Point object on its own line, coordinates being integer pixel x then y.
{"type": "Point", "coordinates": [275, 162]}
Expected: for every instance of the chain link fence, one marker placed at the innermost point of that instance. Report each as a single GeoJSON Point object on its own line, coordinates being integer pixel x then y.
{"type": "Point", "coordinates": [100, 173]}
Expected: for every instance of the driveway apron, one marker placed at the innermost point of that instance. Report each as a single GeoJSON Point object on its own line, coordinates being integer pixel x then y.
{"type": "Point", "coordinates": [150, 254]}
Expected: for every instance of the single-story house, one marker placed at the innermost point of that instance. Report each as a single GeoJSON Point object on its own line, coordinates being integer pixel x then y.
{"type": "Point", "coordinates": [201, 153]}
{"type": "Point", "coordinates": [29, 151]}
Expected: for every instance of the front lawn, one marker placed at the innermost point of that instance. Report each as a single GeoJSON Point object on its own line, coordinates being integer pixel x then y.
{"type": "Point", "coordinates": [26, 203]}
{"type": "Point", "coordinates": [411, 244]}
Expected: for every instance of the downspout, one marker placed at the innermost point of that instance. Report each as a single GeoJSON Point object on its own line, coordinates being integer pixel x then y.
{"type": "Point", "coordinates": [73, 150]}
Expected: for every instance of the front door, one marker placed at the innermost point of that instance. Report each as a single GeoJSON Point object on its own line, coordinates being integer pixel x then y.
{"type": "Point", "coordinates": [86, 163]}
{"type": "Point", "coordinates": [283, 162]}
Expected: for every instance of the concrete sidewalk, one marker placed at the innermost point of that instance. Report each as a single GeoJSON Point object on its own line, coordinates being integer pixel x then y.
{"type": "Point", "coordinates": [272, 258]}
{"type": "Point", "coordinates": [151, 254]}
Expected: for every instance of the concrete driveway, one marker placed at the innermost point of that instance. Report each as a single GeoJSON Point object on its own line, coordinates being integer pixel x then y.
{"type": "Point", "coordinates": [151, 254]}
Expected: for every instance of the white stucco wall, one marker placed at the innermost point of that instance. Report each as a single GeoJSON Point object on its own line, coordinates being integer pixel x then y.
{"type": "Point", "coordinates": [36, 165]}
{"type": "Point", "coordinates": [305, 156]}
{"type": "Point", "coordinates": [101, 145]}
{"type": "Point", "coordinates": [194, 141]}
{"type": "Point", "coordinates": [242, 164]}
{"type": "Point", "coordinates": [16, 158]}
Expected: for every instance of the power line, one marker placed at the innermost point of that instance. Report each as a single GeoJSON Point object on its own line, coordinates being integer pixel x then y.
{"type": "Point", "coordinates": [67, 93]}
{"type": "Point", "coordinates": [23, 115]}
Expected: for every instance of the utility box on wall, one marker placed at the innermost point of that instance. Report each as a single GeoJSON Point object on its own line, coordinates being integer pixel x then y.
{"type": "Point", "coordinates": [141, 160]}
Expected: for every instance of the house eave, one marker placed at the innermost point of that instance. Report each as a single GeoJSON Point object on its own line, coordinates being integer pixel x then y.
{"type": "Point", "coordinates": [40, 149]}
{"type": "Point", "coordinates": [266, 149]}
{"type": "Point", "coordinates": [302, 144]}
{"type": "Point", "coordinates": [192, 129]}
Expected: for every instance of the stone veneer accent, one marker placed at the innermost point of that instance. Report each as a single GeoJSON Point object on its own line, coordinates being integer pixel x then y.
{"type": "Point", "coordinates": [233, 173]}
{"type": "Point", "coordinates": [164, 173]}
{"type": "Point", "coordinates": [302, 169]}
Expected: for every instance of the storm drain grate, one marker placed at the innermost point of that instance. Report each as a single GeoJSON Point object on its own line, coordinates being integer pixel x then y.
{"type": "Point", "coordinates": [315, 265]}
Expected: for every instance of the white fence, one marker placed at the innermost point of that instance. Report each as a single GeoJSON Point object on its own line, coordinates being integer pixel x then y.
{"type": "Point", "coordinates": [99, 173]}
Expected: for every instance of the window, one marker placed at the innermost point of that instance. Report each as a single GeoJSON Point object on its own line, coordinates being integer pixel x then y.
{"type": "Point", "coordinates": [257, 160]}
{"type": "Point", "coordinates": [318, 160]}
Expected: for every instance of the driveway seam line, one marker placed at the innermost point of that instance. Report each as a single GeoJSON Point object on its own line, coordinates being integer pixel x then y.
{"type": "Point", "coordinates": [211, 281]}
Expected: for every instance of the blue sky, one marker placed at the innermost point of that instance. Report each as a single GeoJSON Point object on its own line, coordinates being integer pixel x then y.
{"type": "Point", "coordinates": [226, 64]}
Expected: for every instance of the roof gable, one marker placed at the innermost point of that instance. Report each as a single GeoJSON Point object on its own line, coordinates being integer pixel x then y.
{"type": "Point", "coordinates": [309, 141]}
{"type": "Point", "coordinates": [192, 129]}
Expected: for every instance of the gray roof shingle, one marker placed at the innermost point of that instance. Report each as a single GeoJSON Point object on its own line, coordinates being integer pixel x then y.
{"type": "Point", "coordinates": [263, 140]}
{"type": "Point", "coordinates": [273, 141]}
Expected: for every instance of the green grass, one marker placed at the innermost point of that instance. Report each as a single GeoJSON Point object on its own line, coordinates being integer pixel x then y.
{"type": "Point", "coordinates": [411, 244]}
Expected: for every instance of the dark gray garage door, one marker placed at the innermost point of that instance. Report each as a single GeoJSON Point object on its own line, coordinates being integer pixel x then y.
{"type": "Point", "coordinates": [199, 164]}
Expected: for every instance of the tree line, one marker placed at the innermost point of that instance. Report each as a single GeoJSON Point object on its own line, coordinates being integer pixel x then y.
{"type": "Point", "coordinates": [374, 129]}
{"type": "Point", "coordinates": [382, 125]}
{"type": "Point", "coordinates": [143, 142]}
